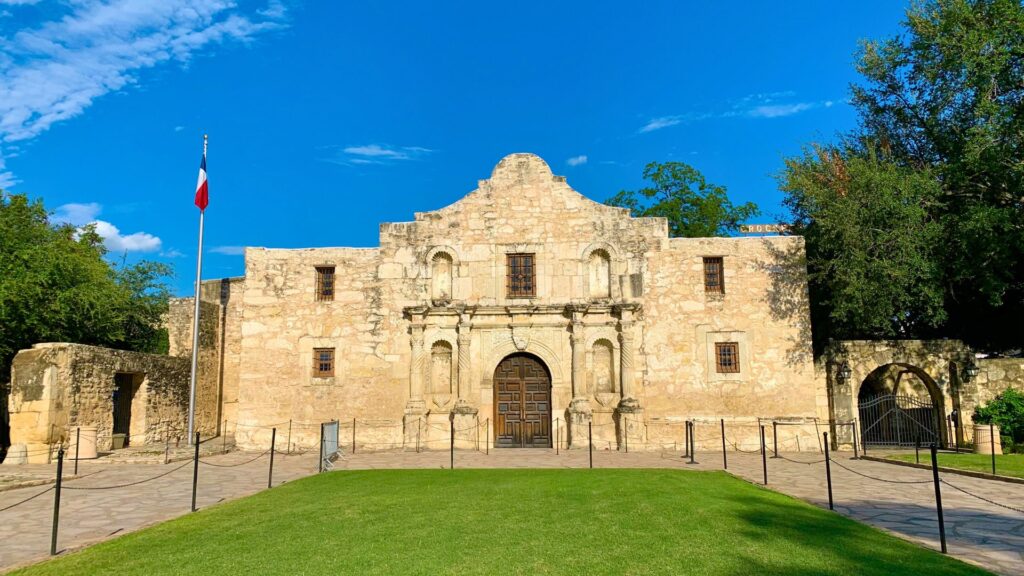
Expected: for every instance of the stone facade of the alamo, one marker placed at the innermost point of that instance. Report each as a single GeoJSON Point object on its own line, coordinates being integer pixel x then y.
{"type": "Point", "coordinates": [524, 311]}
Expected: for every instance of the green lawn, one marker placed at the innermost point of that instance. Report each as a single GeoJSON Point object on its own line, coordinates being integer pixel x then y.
{"type": "Point", "coordinates": [1006, 464]}
{"type": "Point", "coordinates": [510, 522]}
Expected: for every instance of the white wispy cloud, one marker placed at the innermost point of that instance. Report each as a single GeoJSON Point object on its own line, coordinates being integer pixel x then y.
{"type": "Point", "coordinates": [84, 214]}
{"type": "Point", "coordinates": [173, 253]}
{"type": "Point", "coordinates": [761, 105]}
{"type": "Point", "coordinates": [577, 160]}
{"type": "Point", "coordinates": [56, 70]}
{"type": "Point", "coordinates": [228, 250]}
{"type": "Point", "coordinates": [377, 154]}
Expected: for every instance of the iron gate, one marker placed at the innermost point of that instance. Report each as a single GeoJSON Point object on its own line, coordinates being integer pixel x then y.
{"type": "Point", "coordinates": [889, 420]}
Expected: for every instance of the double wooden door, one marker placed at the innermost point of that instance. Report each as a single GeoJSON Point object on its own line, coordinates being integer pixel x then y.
{"type": "Point", "coordinates": [522, 403]}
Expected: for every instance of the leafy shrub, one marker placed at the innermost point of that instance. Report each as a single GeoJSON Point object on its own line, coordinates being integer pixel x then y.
{"type": "Point", "coordinates": [1006, 411]}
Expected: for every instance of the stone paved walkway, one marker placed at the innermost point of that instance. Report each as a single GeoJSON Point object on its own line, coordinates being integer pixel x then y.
{"type": "Point", "coordinates": [977, 532]}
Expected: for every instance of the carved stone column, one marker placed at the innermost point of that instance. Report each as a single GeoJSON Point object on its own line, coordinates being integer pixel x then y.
{"type": "Point", "coordinates": [415, 407]}
{"type": "Point", "coordinates": [628, 404]}
{"type": "Point", "coordinates": [462, 378]}
{"type": "Point", "coordinates": [580, 413]}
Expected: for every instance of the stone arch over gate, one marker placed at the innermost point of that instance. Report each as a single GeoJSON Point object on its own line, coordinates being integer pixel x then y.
{"type": "Point", "coordinates": [937, 364]}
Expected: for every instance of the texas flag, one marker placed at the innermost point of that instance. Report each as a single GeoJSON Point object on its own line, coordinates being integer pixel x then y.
{"type": "Point", "coordinates": [202, 189]}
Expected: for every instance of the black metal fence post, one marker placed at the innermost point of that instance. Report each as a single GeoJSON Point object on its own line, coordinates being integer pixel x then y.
{"type": "Point", "coordinates": [56, 502]}
{"type": "Point", "coordinates": [320, 467]}
{"type": "Point", "coordinates": [725, 459]}
{"type": "Point", "coordinates": [353, 435]}
{"type": "Point", "coordinates": [855, 455]}
{"type": "Point", "coordinates": [224, 438]}
{"type": "Point", "coordinates": [625, 431]}
{"type": "Point", "coordinates": [775, 439]}
{"type": "Point", "coordinates": [289, 446]}
{"type": "Point", "coordinates": [273, 440]}
{"type": "Point", "coordinates": [828, 473]}
{"type": "Point", "coordinates": [863, 441]}
{"type": "Point", "coordinates": [938, 499]}
{"type": "Point", "coordinates": [992, 445]}
{"type": "Point", "coordinates": [764, 457]}
{"type": "Point", "coordinates": [558, 436]}
{"type": "Point", "coordinates": [195, 473]}
{"type": "Point", "coordinates": [487, 441]}
{"type": "Point", "coordinates": [686, 439]}
{"type": "Point", "coordinates": [590, 441]}
{"type": "Point", "coordinates": [693, 441]}
{"type": "Point", "coordinates": [917, 451]}
{"type": "Point", "coordinates": [78, 440]}
{"type": "Point", "coordinates": [452, 444]}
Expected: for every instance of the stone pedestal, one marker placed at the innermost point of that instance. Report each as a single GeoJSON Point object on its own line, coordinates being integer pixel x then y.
{"type": "Point", "coordinates": [985, 440]}
{"type": "Point", "coordinates": [580, 415]}
{"type": "Point", "coordinates": [629, 425]}
{"type": "Point", "coordinates": [468, 433]}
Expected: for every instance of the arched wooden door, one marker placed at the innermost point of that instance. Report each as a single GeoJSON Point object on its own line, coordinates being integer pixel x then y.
{"type": "Point", "coordinates": [522, 403]}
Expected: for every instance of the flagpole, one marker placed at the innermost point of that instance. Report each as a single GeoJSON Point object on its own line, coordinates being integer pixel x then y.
{"type": "Point", "coordinates": [195, 324]}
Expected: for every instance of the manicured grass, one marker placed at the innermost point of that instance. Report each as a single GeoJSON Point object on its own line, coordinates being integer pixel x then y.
{"type": "Point", "coordinates": [510, 522]}
{"type": "Point", "coordinates": [1006, 464]}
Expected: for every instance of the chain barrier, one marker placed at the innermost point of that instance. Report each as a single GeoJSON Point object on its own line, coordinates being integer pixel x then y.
{"type": "Point", "coordinates": [33, 497]}
{"type": "Point", "coordinates": [982, 498]}
{"type": "Point", "coordinates": [201, 461]}
{"type": "Point", "coordinates": [834, 461]}
{"type": "Point", "coordinates": [67, 487]}
{"type": "Point", "coordinates": [800, 461]}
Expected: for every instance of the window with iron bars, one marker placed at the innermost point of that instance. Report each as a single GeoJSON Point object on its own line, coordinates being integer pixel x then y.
{"type": "Point", "coordinates": [714, 275]}
{"type": "Point", "coordinates": [323, 362]}
{"type": "Point", "coordinates": [324, 283]}
{"type": "Point", "coordinates": [727, 357]}
{"type": "Point", "coordinates": [521, 276]}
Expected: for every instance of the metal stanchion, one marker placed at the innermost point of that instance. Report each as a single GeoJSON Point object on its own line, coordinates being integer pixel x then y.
{"type": "Point", "coordinates": [224, 438]}
{"type": "Point", "coordinates": [828, 473]}
{"type": "Point", "coordinates": [590, 437]}
{"type": "Point", "coordinates": [487, 442]}
{"type": "Point", "coordinates": [273, 440]}
{"type": "Point", "coordinates": [419, 426]}
{"type": "Point", "coordinates": [353, 435]}
{"type": "Point", "coordinates": [864, 441]}
{"type": "Point", "coordinates": [195, 473]}
{"type": "Point", "coordinates": [625, 432]}
{"type": "Point", "coordinates": [992, 445]}
{"type": "Point", "coordinates": [56, 502]}
{"type": "Point", "coordinates": [78, 440]}
{"type": "Point", "coordinates": [764, 457]}
{"type": "Point", "coordinates": [725, 459]}
{"type": "Point", "coordinates": [938, 499]}
{"type": "Point", "coordinates": [917, 451]}
{"type": "Point", "coordinates": [693, 442]}
{"type": "Point", "coordinates": [775, 439]}
{"type": "Point", "coordinates": [320, 468]}
{"type": "Point", "coordinates": [855, 455]}
{"type": "Point", "coordinates": [289, 445]}
{"type": "Point", "coordinates": [686, 439]}
{"type": "Point", "coordinates": [452, 444]}
{"type": "Point", "coordinates": [558, 437]}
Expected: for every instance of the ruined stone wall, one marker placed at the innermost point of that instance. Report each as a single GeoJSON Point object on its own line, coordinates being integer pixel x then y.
{"type": "Point", "coordinates": [208, 381]}
{"type": "Point", "coordinates": [619, 314]}
{"type": "Point", "coordinates": [59, 386]}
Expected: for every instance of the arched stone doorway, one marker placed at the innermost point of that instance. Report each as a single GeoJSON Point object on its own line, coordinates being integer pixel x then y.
{"type": "Point", "coordinates": [522, 402]}
{"type": "Point", "coordinates": [900, 404]}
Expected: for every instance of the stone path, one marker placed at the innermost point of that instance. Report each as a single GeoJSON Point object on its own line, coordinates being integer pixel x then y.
{"type": "Point", "coordinates": [88, 516]}
{"type": "Point", "coordinates": [977, 531]}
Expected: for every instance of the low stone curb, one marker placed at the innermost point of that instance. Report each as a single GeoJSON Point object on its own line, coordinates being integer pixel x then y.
{"type": "Point", "coordinates": [971, 473]}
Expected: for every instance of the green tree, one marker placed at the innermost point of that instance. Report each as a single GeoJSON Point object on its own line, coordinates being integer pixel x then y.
{"type": "Point", "coordinates": [947, 96]}
{"type": "Point", "coordinates": [873, 245]}
{"type": "Point", "coordinates": [694, 207]}
{"type": "Point", "coordinates": [56, 286]}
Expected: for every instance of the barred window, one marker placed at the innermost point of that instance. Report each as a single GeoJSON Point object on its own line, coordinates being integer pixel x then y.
{"type": "Point", "coordinates": [521, 276]}
{"type": "Point", "coordinates": [727, 357]}
{"type": "Point", "coordinates": [714, 275]}
{"type": "Point", "coordinates": [323, 362]}
{"type": "Point", "coordinates": [324, 283]}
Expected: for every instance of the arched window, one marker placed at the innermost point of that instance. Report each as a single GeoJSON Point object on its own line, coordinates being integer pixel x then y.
{"type": "Point", "coordinates": [604, 372]}
{"type": "Point", "coordinates": [441, 276]}
{"type": "Point", "coordinates": [599, 266]}
{"type": "Point", "coordinates": [441, 368]}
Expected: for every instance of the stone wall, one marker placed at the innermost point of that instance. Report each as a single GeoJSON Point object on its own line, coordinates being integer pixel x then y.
{"type": "Point", "coordinates": [208, 377]}
{"type": "Point", "coordinates": [994, 376]}
{"type": "Point", "coordinates": [620, 319]}
{"type": "Point", "coordinates": [56, 387]}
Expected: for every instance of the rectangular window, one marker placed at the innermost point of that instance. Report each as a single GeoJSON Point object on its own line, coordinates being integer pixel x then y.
{"type": "Point", "coordinates": [324, 283]}
{"type": "Point", "coordinates": [727, 357]}
{"type": "Point", "coordinates": [714, 275]}
{"type": "Point", "coordinates": [323, 362]}
{"type": "Point", "coordinates": [521, 276]}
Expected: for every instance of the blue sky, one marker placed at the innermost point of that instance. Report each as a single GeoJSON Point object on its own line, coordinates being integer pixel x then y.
{"type": "Point", "coordinates": [326, 118]}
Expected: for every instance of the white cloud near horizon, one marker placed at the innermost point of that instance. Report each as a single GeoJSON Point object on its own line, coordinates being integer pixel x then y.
{"type": "Point", "coordinates": [228, 250]}
{"type": "Point", "coordinates": [54, 71]}
{"type": "Point", "coordinates": [577, 160]}
{"type": "Point", "coordinates": [761, 106]}
{"type": "Point", "coordinates": [377, 154]}
{"type": "Point", "coordinates": [80, 215]}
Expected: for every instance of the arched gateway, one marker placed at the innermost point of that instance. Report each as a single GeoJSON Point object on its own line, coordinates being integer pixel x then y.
{"type": "Point", "coordinates": [522, 403]}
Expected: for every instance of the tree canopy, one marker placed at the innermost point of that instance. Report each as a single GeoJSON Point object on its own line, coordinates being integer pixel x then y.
{"type": "Point", "coordinates": [55, 285]}
{"type": "Point", "coordinates": [693, 206]}
{"type": "Point", "coordinates": [943, 102]}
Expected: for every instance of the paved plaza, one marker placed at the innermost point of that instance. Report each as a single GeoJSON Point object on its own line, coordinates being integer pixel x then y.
{"type": "Point", "coordinates": [894, 498]}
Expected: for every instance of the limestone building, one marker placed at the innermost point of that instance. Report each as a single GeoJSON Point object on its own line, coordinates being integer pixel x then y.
{"type": "Point", "coordinates": [521, 313]}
